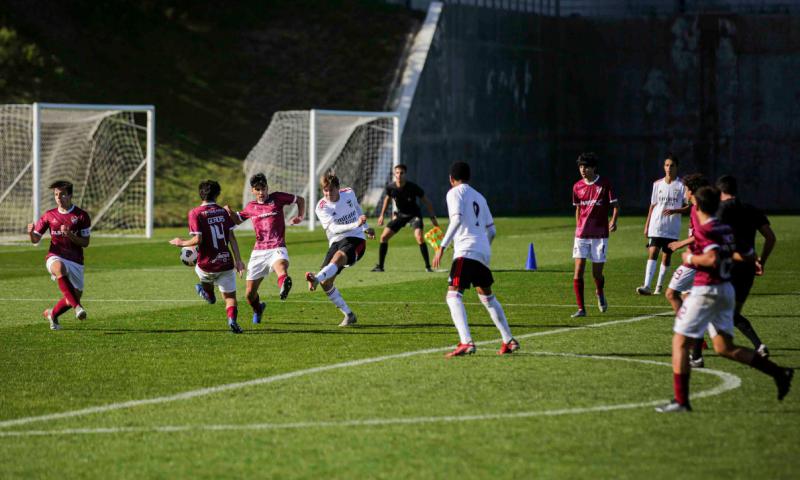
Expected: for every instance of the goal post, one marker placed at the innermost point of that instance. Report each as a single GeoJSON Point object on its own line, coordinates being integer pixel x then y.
{"type": "Point", "coordinates": [298, 146]}
{"type": "Point", "coordinates": [106, 151]}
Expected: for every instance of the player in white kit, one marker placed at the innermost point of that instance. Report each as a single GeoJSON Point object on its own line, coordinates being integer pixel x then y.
{"type": "Point", "coordinates": [471, 230]}
{"type": "Point", "coordinates": [346, 226]}
{"type": "Point", "coordinates": [663, 225]}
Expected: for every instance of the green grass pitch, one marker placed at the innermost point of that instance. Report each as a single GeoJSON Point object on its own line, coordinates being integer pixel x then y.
{"type": "Point", "coordinates": [152, 385]}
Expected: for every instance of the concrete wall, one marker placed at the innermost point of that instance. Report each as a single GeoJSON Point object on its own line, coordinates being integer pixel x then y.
{"type": "Point", "coordinates": [518, 96]}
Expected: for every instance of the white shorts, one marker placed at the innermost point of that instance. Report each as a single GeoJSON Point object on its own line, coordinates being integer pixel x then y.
{"type": "Point", "coordinates": [707, 306]}
{"type": "Point", "coordinates": [74, 271]}
{"type": "Point", "coordinates": [226, 281]}
{"type": "Point", "coordinates": [592, 248]}
{"type": "Point", "coordinates": [261, 261]}
{"type": "Point", "coordinates": [682, 279]}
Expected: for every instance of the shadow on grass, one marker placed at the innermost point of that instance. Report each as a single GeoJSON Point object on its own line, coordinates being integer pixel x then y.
{"type": "Point", "coordinates": [605, 354]}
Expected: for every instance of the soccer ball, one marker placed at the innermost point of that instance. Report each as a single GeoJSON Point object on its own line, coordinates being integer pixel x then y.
{"type": "Point", "coordinates": [189, 256]}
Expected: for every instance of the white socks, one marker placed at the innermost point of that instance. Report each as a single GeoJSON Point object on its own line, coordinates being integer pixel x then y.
{"type": "Point", "coordinates": [336, 297]}
{"type": "Point", "coordinates": [662, 272]}
{"type": "Point", "coordinates": [329, 271]}
{"type": "Point", "coordinates": [459, 314]}
{"type": "Point", "coordinates": [648, 273]}
{"type": "Point", "coordinates": [498, 316]}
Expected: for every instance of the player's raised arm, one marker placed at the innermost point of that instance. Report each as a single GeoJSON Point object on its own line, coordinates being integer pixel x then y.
{"type": "Point", "coordinates": [235, 217]}
{"type": "Point", "coordinates": [34, 233]}
{"type": "Point", "coordinates": [301, 210]}
{"type": "Point", "coordinates": [429, 206]}
{"type": "Point", "coordinates": [194, 241]}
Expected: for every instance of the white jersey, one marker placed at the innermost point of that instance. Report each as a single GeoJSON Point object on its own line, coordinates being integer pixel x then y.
{"type": "Point", "coordinates": [469, 211]}
{"type": "Point", "coordinates": [666, 196]}
{"type": "Point", "coordinates": [340, 218]}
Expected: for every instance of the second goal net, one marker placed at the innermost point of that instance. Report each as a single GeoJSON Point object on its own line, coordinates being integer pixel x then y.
{"type": "Point", "coordinates": [298, 146]}
{"type": "Point", "coordinates": [105, 151]}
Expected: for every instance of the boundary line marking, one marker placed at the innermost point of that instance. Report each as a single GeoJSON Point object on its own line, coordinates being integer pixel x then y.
{"type": "Point", "coordinates": [729, 382]}
{"type": "Point", "coordinates": [289, 375]}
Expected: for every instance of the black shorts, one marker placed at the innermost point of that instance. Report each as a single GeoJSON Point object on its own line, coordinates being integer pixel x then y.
{"type": "Point", "coordinates": [353, 247]}
{"type": "Point", "coordinates": [661, 243]}
{"type": "Point", "coordinates": [742, 277]}
{"type": "Point", "coordinates": [466, 271]}
{"type": "Point", "coordinates": [401, 219]}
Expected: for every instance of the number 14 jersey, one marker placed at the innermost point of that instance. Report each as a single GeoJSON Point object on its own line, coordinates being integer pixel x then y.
{"type": "Point", "coordinates": [215, 225]}
{"type": "Point", "coordinates": [471, 239]}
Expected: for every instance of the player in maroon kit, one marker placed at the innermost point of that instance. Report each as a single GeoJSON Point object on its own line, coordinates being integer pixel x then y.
{"type": "Point", "coordinates": [592, 197]}
{"type": "Point", "coordinates": [69, 234]}
{"type": "Point", "coordinates": [269, 253]}
{"type": "Point", "coordinates": [211, 229]}
{"type": "Point", "coordinates": [710, 304]}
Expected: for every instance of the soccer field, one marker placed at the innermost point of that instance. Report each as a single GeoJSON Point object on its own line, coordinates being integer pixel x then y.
{"type": "Point", "coordinates": [153, 385]}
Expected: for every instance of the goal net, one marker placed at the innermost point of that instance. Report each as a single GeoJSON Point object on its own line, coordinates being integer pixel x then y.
{"type": "Point", "coordinates": [106, 152]}
{"type": "Point", "coordinates": [298, 146]}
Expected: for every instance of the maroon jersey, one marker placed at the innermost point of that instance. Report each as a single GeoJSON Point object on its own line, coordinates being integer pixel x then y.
{"type": "Point", "coordinates": [593, 201]}
{"type": "Point", "coordinates": [713, 235]}
{"type": "Point", "coordinates": [76, 220]}
{"type": "Point", "coordinates": [215, 225]}
{"type": "Point", "coordinates": [268, 220]}
{"type": "Point", "coordinates": [693, 222]}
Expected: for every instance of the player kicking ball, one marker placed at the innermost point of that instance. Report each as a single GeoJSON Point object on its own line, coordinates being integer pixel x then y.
{"type": "Point", "coordinates": [663, 224]}
{"type": "Point", "coordinates": [346, 227]}
{"type": "Point", "coordinates": [211, 228]}
{"type": "Point", "coordinates": [710, 305]}
{"type": "Point", "coordinates": [471, 230]}
{"type": "Point", "coordinates": [69, 228]}
{"type": "Point", "coordinates": [592, 197]}
{"type": "Point", "coordinates": [269, 253]}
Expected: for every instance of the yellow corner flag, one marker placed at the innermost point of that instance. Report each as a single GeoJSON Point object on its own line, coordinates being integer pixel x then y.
{"type": "Point", "coordinates": [434, 237]}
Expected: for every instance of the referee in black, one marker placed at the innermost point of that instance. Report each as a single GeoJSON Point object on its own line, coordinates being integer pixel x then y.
{"type": "Point", "coordinates": [745, 220]}
{"type": "Point", "coordinates": [404, 194]}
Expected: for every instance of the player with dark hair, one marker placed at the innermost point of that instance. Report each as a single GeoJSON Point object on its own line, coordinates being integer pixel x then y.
{"type": "Point", "coordinates": [683, 278]}
{"type": "Point", "coordinates": [70, 229]}
{"type": "Point", "coordinates": [471, 230]}
{"type": "Point", "coordinates": [711, 303]}
{"type": "Point", "coordinates": [745, 220]}
{"type": "Point", "coordinates": [211, 228]}
{"type": "Point", "coordinates": [663, 224]}
{"type": "Point", "coordinates": [405, 194]}
{"type": "Point", "coordinates": [269, 252]}
{"type": "Point", "coordinates": [592, 197]}
{"type": "Point", "coordinates": [346, 227]}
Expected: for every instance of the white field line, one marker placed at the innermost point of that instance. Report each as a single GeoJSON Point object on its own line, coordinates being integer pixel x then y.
{"type": "Point", "coordinates": [89, 301]}
{"type": "Point", "coordinates": [729, 382]}
{"type": "Point", "coordinates": [286, 376]}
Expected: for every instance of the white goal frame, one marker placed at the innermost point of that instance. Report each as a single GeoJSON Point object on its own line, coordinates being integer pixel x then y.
{"type": "Point", "coordinates": [36, 161]}
{"type": "Point", "coordinates": [312, 149]}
